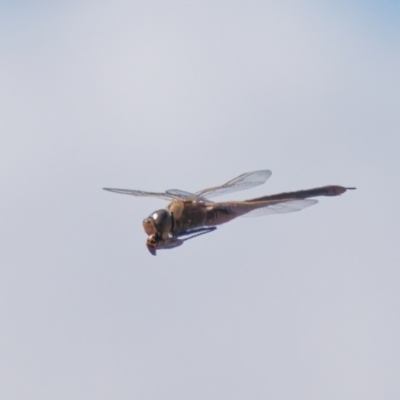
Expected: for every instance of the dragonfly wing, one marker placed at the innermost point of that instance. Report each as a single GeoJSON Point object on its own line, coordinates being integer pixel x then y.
{"type": "Point", "coordinates": [242, 182]}
{"type": "Point", "coordinates": [182, 194]}
{"type": "Point", "coordinates": [281, 208]}
{"type": "Point", "coordinates": [139, 193]}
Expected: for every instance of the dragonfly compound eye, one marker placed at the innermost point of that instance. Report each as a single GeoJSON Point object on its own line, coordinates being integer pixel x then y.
{"type": "Point", "coordinates": [158, 222]}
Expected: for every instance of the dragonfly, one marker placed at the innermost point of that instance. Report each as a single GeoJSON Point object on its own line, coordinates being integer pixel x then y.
{"type": "Point", "coordinates": [189, 215]}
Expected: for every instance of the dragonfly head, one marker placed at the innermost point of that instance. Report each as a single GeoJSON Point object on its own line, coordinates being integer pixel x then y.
{"type": "Point", "coordinates": [159, 223]}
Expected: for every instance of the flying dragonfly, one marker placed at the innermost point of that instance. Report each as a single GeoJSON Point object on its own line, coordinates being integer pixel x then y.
{"type": "Point", "coordinates": [192, 214]}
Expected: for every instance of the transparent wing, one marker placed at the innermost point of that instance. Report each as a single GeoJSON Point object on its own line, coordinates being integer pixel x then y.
{"type": "Point", "coordinates": [182, 194]}
{"type": "Point", "coordinates": [139, 193]}
{"type": "Point", "coordinates": [242, 182]}
{"type": "Point", "coordinates": [281, 208]}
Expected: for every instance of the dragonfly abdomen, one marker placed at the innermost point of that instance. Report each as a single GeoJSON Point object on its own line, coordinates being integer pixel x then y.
{"type": "Point", "coordinates": [217, 215]}
{"type": "Point", "coordinates": [332, 190]}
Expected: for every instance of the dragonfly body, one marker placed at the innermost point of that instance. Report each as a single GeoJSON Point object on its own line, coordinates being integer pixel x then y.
{"type": "Point", "coordinates": [189, 215]}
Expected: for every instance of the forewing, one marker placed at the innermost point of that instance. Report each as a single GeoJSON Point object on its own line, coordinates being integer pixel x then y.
{"type": "Point", "coordinates": [242, 182]}
{"type": "Point", "coordinates": [281, 208]}
{"type": "Point", "coordinates": [182, 194]}
{"type": "Point", "coordinates": [139, 193]}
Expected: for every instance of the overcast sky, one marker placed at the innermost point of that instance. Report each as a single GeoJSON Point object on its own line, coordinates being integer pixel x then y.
{"type": "Point", "coordinates": [153, 95]}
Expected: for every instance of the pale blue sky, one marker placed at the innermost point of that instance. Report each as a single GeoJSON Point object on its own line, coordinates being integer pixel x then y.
{"type": "Point", "coordinates": [156, 95]}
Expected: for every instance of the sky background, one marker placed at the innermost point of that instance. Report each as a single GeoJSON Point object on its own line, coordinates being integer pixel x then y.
{"type": "Point", "coordinates": [153, 95]}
